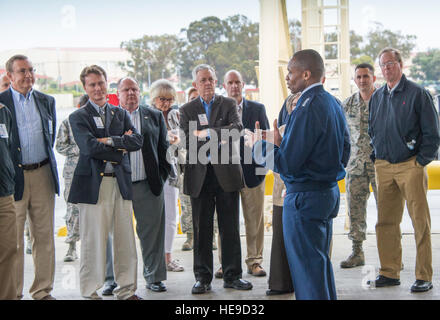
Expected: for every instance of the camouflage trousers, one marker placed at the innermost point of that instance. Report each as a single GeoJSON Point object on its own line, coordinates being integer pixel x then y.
{"type": "Point", "coordinates": [186, 217]}
{"type": "Point", "coordinates": [72, 215]}
{"type": "Point", "coordinates": [358, 192]}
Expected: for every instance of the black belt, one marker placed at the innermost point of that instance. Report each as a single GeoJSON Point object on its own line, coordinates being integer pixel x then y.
{"type": "Point", "coordinates": [110, 174]}
{"type": "Point", "coordinates": [35, 165]}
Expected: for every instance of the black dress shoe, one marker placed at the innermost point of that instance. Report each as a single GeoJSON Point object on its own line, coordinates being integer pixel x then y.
{"type": "Point", "coordinates": [382, 281]}
{"type": "Point", "coordinates": [156, 286]}
{"type": "Point", "coordinates": [108, 290]}
{"type": "Point", "coordinates": [421, 286]}
{"type": "Point", "coordinates": [238, 284]}
{"type": "Point", "coordinates": [200, 287]}
{"type": "Point", "coordinates": [272, 292]}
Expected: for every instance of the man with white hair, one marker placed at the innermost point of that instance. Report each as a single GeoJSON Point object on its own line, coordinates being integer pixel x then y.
{"type": "Point", "coordinates": [213, 179]}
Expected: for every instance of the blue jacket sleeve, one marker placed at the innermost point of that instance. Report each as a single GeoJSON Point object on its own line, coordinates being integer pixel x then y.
{"type": "Point", "coordinates": [429, 124]}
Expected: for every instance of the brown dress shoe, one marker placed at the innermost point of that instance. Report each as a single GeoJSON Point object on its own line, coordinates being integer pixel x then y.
{"type": "Point", "coordinates": [134, 297]}
{"type": "Point", "coordinates": [48, 297]}
{"type": "Point", "coordinates": [257, 271]}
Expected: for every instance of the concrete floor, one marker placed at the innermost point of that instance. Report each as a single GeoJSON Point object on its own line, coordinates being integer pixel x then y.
{"type": "Point", "coordinates": [350, 283]}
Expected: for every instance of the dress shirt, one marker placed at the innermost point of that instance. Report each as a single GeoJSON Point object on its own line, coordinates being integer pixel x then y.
{"type": "Point", "coordinates": [102, 111]}
{"type": "Point", "coordinates": [136, 158]}
{"type": "Point", "coordinates": [310, 87]}
{"type": "Point", "coordinates": [30, 128]}
{"type": "Point", "coordinates": [240, 110]}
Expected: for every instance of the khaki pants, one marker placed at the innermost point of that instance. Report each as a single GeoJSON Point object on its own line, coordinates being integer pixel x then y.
{"type": "Point", "coordinates": [38, 204]}
{"type": "Point", "coordinates": [8, 249]}
{"type": "Point", "coordinates": [396, 183]}
{"type": "Point", "coordinates": [252, 202]}
{"type": "Point", "coordinates": [112, 214]}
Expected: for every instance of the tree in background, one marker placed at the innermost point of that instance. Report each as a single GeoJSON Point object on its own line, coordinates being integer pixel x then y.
{"type": "Point", "coordinates": [380, 38]}
{"type": "Point", "coordinates": [426, 65]}
{"type": "Point", "coordinates": [224, 44]}
{"type": "Point", "coordinates": [232, 43]}
{"type": "Point", "coordinates": [152, 57]}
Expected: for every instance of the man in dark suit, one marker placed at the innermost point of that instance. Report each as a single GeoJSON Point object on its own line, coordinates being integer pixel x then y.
{"type": "Point", "coordinates": [213, 178]}
{"type": "Point", "coordinates": [101, 186]}
{"type": "Point", "coordinates": [8, 217]}
{"type": "Point", "coordinates": [149, 171]}
{"type": "Point", "coordinates": [36, 176]}
{"type": "Point", "coordinates": [252, 195]}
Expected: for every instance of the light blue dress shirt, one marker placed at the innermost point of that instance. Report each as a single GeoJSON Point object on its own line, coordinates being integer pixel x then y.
{"type": "Point", "coordinates": [30, 128]}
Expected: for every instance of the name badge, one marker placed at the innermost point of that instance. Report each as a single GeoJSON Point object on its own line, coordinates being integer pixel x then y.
{"type": "Point", "coordinates": [3, 131]}
{"type": "Point", "coordinates": [50, 127]}
{"type": "Point", "coordinates": [203, 119]}
{"type": "Point", "coordinates": [98, 122]}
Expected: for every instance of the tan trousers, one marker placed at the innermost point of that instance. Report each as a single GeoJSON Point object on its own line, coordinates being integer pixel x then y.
{"type": "Point", "coordinates": [252, 202]}
{"type": "Point", "coordinates": [8, 249]}
{"type": "Point", "coordinates": [112, 214]}
{"type": "Point", "coordinates": [396, 183]}
{"type": "Point", "coordinates": [38, 203]}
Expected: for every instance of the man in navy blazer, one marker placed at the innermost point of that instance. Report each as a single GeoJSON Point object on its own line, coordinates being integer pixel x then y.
{"type": "Point", "coordinates": [101, 186]}
{"type": "Point", "coordinates": [36, 176]}
{"type": "Point", "coordinates": [252, 195]}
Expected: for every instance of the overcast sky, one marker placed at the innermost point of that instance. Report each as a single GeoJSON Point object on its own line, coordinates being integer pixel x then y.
{"type": "Point", "coordinates": [105, 23]}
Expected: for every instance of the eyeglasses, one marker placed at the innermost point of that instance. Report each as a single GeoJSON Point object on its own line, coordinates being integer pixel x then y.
{"type": "Point", "coordinates": [24, 71]}
{"type": "Point", "coordinates": [387, 64]}
{"type": "Point", "coordinates": [162, 99]}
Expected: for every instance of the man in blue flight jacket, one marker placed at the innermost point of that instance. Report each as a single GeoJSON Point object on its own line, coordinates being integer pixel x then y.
{"type": "Point", "coordinates": [310, 159]}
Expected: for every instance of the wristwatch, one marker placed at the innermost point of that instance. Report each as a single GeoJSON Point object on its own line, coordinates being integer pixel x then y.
{"type": "Point", "coordinates": [108, 141]}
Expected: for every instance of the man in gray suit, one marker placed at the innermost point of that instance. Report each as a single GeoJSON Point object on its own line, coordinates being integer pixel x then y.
{"type": "Point", "coordinates": [149, 171]}
{"type": "Point", "coordinates": [213, 178]}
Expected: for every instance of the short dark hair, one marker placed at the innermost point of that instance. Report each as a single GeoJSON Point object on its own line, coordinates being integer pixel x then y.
{"type": "Point", "coordinates": [92, 69]}
{"type": "Point", "coordinates": [310, 60]}
{"type": "Point", "coordinates": [363, 66]}
{"type": "Point", "coordinates": [12, 59]}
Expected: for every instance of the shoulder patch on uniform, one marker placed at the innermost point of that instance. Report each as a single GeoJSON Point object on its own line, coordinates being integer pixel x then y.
{"type": "Point", "coordinates": [305, 102]}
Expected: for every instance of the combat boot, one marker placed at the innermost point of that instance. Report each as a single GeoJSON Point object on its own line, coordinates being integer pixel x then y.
{"type": "Point", "coordinates": [71, 253]}
{"type": "Point", "coordinates": [188, 244]}
{"type": "Point", "coordinates": [356, 258]}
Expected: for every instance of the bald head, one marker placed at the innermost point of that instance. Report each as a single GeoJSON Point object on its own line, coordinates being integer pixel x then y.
{"type": "Point", "coordinates": [128, 94]}
{"type": "Point", "coordinates": [233, 83]}
{"type": "Point", "coordinates": [4, 82]}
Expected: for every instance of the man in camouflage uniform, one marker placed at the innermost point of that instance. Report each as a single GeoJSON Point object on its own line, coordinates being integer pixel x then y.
{"type": "Point", "coordinates": [65, 145]}
{"type": "Point", "coordinates": [360, 168]}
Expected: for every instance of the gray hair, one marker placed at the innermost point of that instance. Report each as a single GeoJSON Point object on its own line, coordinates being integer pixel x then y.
{"type": "Point", "coordinates": [162, 88]}
{"type": "Point", "coordinates": [395, 52]}
{"type": "Point", "coordinates": [11, 61]}
{"type": "Point", "coordinates": [201, 67]}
